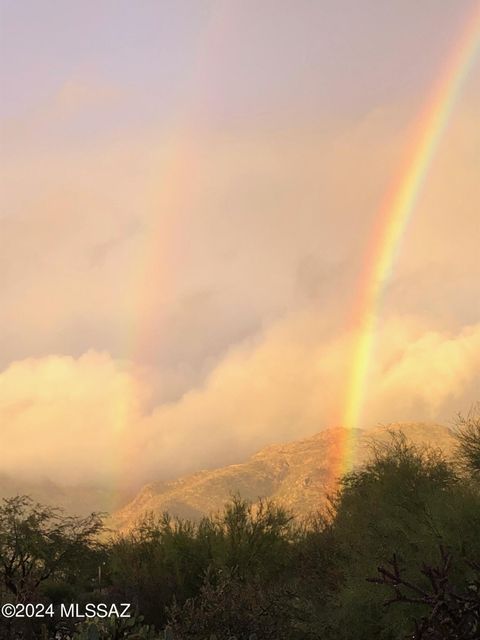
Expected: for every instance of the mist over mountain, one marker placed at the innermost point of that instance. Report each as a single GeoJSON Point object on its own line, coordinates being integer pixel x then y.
{"type": "Point", "coordinates": [78, 500]}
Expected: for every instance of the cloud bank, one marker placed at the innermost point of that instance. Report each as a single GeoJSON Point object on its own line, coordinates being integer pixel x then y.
{"type": "Point", "coordinates": [86, 420]}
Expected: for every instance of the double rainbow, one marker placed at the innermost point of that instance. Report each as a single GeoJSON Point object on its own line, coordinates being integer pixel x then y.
{"type": "Point", "coordinates": [392, 223]}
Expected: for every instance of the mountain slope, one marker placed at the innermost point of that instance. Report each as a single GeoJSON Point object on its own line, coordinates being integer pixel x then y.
{"type": "Point", "coordinates": [298, 475]}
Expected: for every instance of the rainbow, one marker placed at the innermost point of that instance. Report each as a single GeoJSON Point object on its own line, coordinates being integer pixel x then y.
{"type": "Point", "coordinates": [392, 223]}
{"type": "Point", "coordinates": [179, 161]}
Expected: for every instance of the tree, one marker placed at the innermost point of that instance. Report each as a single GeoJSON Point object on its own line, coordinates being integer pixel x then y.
{"type": "Point", "coordinates": [38, 543]}
{"type": "Point", "coordinates": [450, 612]}
{"type": "Point", "coordinates": [256, 537]}
{"type": "Point", "coordinates": [165, 558]}
{"type": "Point", "coordinates": [228, 607]}
{"type": "Point", "coordinates": [467, 433]}
{"type": "Point", "coordinates": [407, 499]}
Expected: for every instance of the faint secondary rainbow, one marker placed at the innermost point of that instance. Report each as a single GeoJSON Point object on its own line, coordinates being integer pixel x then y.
{"type": "Point", "coordinates": [177, 154]}
{"type": "Point", "coordinates": [392, 223]}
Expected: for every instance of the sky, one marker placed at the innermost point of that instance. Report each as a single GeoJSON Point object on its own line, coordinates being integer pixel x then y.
{"type": "Point", "coordinates": [188, 193]}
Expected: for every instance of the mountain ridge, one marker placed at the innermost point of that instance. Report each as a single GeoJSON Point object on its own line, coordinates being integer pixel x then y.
{"type": "Point", "coordinates": [298, 475]}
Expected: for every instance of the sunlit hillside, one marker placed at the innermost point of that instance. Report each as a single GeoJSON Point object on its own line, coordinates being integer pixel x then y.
{"type": "Point", "coordinates": [297, 475]}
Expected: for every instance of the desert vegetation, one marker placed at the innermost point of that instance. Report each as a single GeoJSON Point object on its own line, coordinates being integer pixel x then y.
{"type": "Point", "coordinates": [395, 555]}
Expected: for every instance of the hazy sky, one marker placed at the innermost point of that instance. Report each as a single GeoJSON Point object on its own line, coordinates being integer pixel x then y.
{"type": "Point", "coordinates": [188, 191]}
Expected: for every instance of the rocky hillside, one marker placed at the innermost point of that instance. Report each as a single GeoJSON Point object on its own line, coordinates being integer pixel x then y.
{"type": "Point", "coordinates": [298, 475]}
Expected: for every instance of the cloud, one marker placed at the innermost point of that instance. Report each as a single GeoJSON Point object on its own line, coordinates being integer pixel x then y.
{"type": "Point", "coordinates": [292, 383]}
{"type": "Point", "coordinates": [62, 417]}
{"type": "Point", "coordinates": [77, 105]}
{"type": "Point", "coordinates": [87, 420]}
{"type": "Point", "coordinates": [77, 94]}
{"type": "Point", "coordinates": [201, 283]}
{"type": "Point", "coordinates": [431, 375]}
{"type": "Point", "coordinates": [116, 244]}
